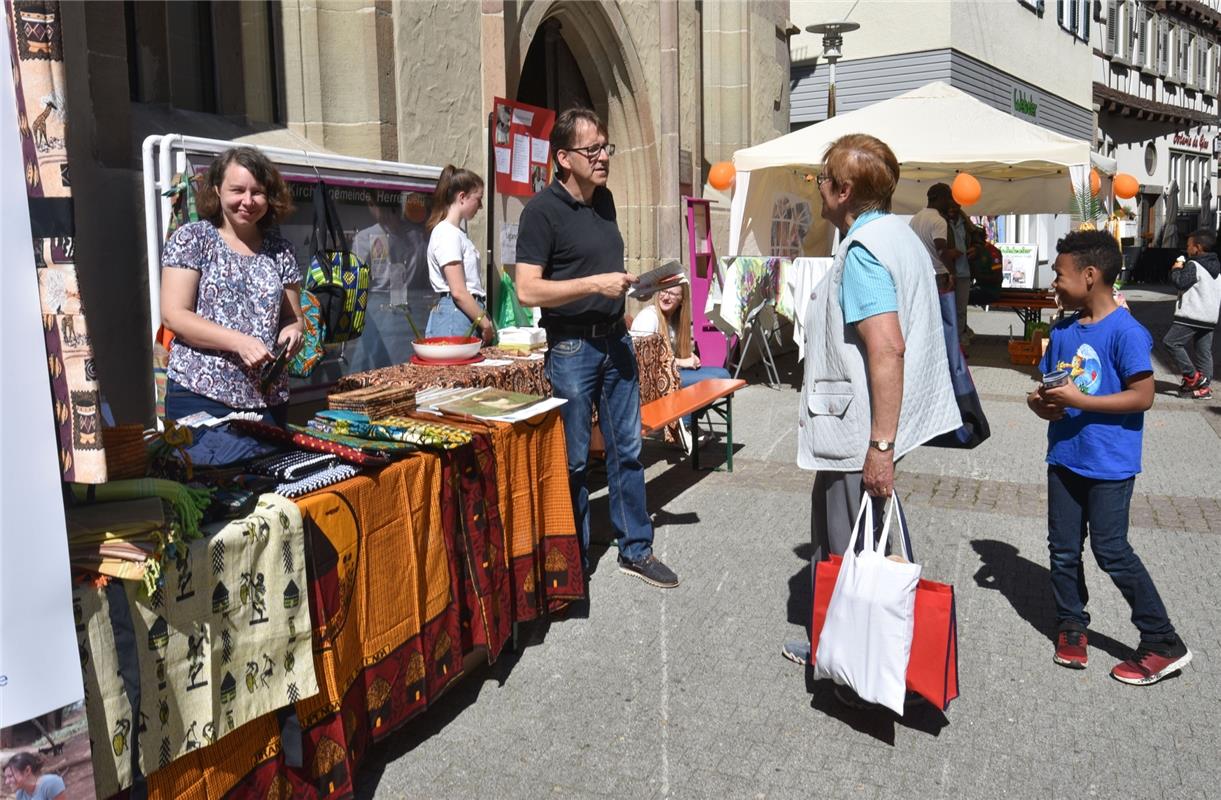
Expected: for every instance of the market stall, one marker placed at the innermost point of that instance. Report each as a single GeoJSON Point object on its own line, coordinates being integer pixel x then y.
{"type": "Point", "coordinates": [401, 573]}
{"type": "Point", "coordinates": [936, 132]}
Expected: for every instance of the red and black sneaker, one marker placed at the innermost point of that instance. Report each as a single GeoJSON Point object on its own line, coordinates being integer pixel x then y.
{"type": "Point", "coordinates": [1072, 650]}
{"type": "Point", "coordinates": [1203, 391]}
{"type": "Point", "coordinates": [1148, 666]}
{"type": "Point", "coordinates": [1192, 382]}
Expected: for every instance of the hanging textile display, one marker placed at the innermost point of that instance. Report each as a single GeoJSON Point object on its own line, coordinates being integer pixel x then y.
{"type": "Point", "coordinates": [35, 37]}
{"type": "Point", "coordinates": [225, 639]}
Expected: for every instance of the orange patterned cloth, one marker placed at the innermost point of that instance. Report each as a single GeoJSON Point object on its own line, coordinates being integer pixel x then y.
{"type": "Point", "coordinates": [391, 607]}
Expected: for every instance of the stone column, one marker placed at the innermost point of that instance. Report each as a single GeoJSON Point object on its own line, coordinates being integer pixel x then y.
{"type": "Point", "coordinates": [669, 214]}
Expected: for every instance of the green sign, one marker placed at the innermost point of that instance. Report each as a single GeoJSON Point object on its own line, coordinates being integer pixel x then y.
{"type": "Point", "coordinates": [1024, 103]}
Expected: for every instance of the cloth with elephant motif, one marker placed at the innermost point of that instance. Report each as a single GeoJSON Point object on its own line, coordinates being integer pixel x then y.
{"type": "Point", "coordinates": [35, 37]}
{"type": "Point", "coordinates": [225, 639]}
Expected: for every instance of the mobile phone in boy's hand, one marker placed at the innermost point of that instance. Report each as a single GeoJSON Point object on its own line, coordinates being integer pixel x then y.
{"type": "Point", "coordinates": [272, 369]}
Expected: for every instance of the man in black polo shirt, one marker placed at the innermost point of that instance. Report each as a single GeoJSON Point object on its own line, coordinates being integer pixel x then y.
{"type": "Point", "coordinates": [570, 263]}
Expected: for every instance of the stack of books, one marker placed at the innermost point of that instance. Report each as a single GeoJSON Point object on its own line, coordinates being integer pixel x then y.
{"type": "Point", "coordinates": [375, 402]}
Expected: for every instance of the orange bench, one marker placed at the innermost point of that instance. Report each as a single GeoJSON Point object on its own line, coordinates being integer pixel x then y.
{"type": "Point", "coordinates": [714, 394]}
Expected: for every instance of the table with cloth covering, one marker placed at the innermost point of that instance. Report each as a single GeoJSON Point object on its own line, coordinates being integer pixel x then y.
{"type": "Point", "coordinates": [655, 366]}
{"type": "Point", "coordinates": [658, 373]}
{"type": "Point", "coordinates": [410, 568]}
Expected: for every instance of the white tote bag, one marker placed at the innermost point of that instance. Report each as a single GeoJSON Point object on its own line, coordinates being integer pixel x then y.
{"type": "Point", "coordinates": [867, 637]}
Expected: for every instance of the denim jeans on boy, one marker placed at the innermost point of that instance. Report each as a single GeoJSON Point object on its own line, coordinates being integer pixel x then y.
{"type": "Point", "coordinates": [603, 371]}
{"type": "Point", "coordinates": [446, 319]}
{"type": "Point", "coordinates": [1201, 340]}
{"type": "Point", "coordinates": [1076, 504]}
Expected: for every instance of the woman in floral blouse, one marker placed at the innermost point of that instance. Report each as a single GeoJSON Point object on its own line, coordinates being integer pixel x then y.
{"type": "Point", "coordinates": [231, 292]}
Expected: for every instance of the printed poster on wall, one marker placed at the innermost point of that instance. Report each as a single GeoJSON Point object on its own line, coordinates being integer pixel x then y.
{"type": "Point", "coordinates": [521, 147]}
{"type": "Point", "coordinates": [1018, 265]}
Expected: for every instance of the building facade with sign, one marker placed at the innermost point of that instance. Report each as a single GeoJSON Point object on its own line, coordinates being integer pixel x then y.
{"type": "Point", "coordinates": [1157, 75]}
{"type": "Point", "coordinates": [984, 47]}
{"type": "Point", "coordinates": [680, 84]}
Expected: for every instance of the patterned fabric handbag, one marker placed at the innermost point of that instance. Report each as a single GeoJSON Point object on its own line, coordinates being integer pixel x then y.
{"type": "Point", "coordinates": [338, 279]}
{"type": "Point", "coordinates": [309, 356]}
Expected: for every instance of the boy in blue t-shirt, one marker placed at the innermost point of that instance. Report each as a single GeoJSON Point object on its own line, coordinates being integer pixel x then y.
{"type": "Point", "coordinates": [1093, 454]}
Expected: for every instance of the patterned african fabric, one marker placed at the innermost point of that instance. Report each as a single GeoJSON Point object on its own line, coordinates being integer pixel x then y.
{"type": "Point", "coordinates": [317, 480]}
{"type": "Point", "coordinates": [386, 593]}
{"type": "Point", "coordinates": [471, 512]}
{"type": "Point", "coordinates": [424, 433]}
{"type": "Point", "coordinates": [305, 439]}
{"type": "Point", "coordinates": [224, 640]}
{"type": "Point", "coordinates": [36, 45]}
{"type": "Point", "coordinates": [540, 545]}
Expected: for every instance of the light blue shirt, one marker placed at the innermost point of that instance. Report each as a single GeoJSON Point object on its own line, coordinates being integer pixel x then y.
{"type": "Point", "coordinates": [867, 288]}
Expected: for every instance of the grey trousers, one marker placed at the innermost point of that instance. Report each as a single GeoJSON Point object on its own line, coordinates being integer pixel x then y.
{"type": "Point", "coordinates": [962, 291]}
{"type": "Point", "coordinates": [1201, 340]}
{"type": "Point", "coordinates": [835, 501]}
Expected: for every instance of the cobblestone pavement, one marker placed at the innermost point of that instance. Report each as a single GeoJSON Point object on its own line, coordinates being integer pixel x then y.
{"type": "Point", "coordinates": [683, 694]}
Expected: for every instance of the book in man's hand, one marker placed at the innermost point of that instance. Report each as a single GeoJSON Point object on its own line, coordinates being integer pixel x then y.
{"type": "Point", "coordinates": [669, 274]}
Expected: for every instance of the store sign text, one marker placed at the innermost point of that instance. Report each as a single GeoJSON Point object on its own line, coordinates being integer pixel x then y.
{"type": "Point", "coordinates": [1024, 103]}
{"type": "Point", "coordinates": [1198, 142]}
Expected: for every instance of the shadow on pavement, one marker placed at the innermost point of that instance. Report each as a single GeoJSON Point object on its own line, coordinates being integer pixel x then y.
{"type": "Point", "coordinates": [1027, 587]}
{"type": "Point", "coordinates": [880, 722]}
{"type": "Point", "coordinates": [801, 588]}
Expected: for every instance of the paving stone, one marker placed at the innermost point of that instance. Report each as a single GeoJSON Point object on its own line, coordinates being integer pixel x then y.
{"type": "Point", "coordinates": [683, 694]}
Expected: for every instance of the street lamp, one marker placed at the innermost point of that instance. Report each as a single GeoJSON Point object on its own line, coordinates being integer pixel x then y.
{"type": "Point", "coordinates": [832, 41]}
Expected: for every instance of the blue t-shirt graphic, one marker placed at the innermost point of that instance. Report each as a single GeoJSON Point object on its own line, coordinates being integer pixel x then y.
{"type": "Point", "coordinates": [1100, 358]}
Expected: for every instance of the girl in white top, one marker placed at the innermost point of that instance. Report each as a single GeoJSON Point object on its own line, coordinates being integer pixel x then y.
{"type": "Point", "coordinates": [453, 259]}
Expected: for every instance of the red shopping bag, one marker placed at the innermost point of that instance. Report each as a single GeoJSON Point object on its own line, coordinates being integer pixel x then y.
{"type": "Point", "coordinates": [932, 671]}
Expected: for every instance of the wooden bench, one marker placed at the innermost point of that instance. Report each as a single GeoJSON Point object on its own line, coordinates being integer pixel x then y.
{"type": "Point", "coordinates": [1028, 304]}
{"type": "Point", "coordinates": [714, 394]}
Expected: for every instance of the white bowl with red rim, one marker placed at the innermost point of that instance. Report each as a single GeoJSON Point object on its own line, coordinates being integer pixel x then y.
{"type": "Point", "coordinates": [447, 348]}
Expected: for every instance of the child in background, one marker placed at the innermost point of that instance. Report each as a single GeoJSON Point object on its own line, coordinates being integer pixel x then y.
{"type": "Point", "coordinates": [1096, 416]}
{"type": "Point", "coordinates": [1195, 316]}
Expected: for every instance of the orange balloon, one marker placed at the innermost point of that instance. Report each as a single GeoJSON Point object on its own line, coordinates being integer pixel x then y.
{"type": "Point", "coordinates": [1095, 182]}
{"type": "Point", "coordinates": [721, 176]}
{"type": "Point", "coordinates": [966, 189]}
{"type": "Point", "coordinates": [1125, 186]}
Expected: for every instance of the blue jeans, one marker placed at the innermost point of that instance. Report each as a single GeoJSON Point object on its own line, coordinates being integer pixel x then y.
{"type": "Point", "coordinates": [446, 319]}
{"type": "Point", "coordinates": [1076, 507]}
{"type": "Point", "coordinates": [688, 377]}
{"type": "Point", "coordinates": [181, 402]}
{"type": "Point", "coordinates": [602, 371]}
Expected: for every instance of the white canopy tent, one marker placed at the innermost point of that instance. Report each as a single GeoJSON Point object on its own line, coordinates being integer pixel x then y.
{"type": "Point", "coordinates": [936, 132]}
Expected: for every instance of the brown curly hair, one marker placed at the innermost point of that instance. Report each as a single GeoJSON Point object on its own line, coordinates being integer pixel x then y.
{"type": "Point", "coordinates": [279, 199]}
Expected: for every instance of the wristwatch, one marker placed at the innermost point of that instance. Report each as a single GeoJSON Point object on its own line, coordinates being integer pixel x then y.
{"type": "Point", "coordinates": [882, 445]}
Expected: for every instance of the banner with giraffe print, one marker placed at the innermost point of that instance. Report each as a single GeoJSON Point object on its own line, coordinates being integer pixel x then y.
{"type": "Point", "coordinates": [225, 639]}
{"type": "Point", "coordinates": [36, 50]}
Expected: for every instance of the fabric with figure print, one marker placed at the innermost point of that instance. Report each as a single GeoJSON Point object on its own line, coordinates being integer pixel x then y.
{"type": "Point", "coordinates": [224, 640]}
{"type": "Point", "coordinates": [36, 49]}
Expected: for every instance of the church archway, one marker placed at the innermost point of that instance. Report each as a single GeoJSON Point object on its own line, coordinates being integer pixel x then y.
{"type": "Point", "coordinates": [592, 36]}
